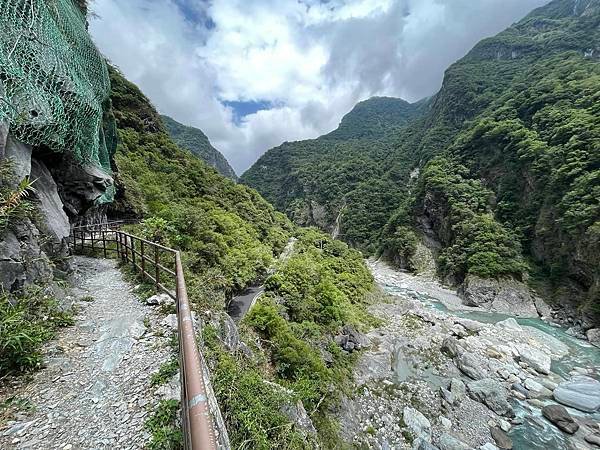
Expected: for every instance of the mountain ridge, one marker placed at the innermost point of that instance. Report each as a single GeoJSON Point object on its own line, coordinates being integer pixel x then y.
{"type": "Point", "coordinates": [194, 140]}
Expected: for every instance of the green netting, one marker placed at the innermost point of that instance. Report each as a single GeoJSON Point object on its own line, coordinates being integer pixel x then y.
{"type": "Point", "coordinates": [53, 80]}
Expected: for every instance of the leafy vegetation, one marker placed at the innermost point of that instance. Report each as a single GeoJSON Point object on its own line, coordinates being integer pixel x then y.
{"type": "Point", "coordinates": [251, 405]}
{"type": "Point", "coordinates": [27, 321]}
{"type": "Point", "coordinates": [311, 296]}
{"type": "Point", "coordinates": [318, 290]}
{"type": "Point", "coordinates": [15, 195]}
{"type": "Point", "coordinates": [166, 371]}
{"type": "Point", "coordinates": [164, 427]}
{"type": "Point", "coordinates": [194, 140]}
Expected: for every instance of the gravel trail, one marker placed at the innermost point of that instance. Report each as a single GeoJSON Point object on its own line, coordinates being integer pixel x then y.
{"type": "Point", "coordinates": [94, 392]}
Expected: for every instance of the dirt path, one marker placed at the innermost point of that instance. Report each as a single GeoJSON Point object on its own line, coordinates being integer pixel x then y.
{"type": "Point", "coordinates": [95, 391]}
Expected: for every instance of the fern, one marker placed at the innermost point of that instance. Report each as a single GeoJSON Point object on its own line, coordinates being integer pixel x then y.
{"type": "Point", "coordinates": [14, 202]}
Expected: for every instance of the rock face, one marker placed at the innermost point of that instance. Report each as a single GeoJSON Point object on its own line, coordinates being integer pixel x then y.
{"type": "Point", "coordinates": [580, 392]}
{"type": "Point", "coordinates": [560, 417]}
{"type": "Point", "coordinates": [351, 339]}
{"type": "Point", "coordinates": [504, 296]}
{"type": "Point", "coordinates": [32, 250]}
{"type": "Point", "coordinates": [492, 394]}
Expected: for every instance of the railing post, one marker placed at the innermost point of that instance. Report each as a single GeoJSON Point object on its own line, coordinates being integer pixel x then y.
{"type": "Point", "coordinates": [132, 240]}
{"type": "Point", "coordinates": [92, 232]}
{"type": "Point", "coordinates": [142, 262]}
{"type": "Point", "coordinates": [126, 249]}
{"type": "Point", "coordinates": [156, 269]}
{"type": "Point", "coordinates": [104, 242]}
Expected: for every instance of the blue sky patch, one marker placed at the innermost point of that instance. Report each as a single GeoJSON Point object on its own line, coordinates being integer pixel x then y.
{"type": "Point", "coordinates": [195, 12]}
{"type": "Point", "coordinates": [243, 109]}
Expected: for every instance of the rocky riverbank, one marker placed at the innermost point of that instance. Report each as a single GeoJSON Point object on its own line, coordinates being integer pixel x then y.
{"type": "Point", "coordinates": [441, 375]}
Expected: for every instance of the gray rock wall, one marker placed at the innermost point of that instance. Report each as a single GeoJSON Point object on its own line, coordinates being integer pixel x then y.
{"type": "Point", "coordinates": [33, 250]}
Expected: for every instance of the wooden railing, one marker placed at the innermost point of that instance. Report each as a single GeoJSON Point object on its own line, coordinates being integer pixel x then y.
{"type": "Point", "coordinates": [202, 424]}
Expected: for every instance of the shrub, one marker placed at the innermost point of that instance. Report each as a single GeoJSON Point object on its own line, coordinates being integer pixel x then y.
{"type": "Point", "coordinates": [26, 322]}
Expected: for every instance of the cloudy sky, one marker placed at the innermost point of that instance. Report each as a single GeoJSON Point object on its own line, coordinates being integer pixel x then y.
{"type": "Point", "coordinates": [255, 73]}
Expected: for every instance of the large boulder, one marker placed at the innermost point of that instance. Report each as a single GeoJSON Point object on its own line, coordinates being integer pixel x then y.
{"type": "Point", "coordinates": [449, 442]}
{"type": "Point", "coordinates": [593, 336]}
{"type": "Point", "coordinates": [22, 261]}
{"type": "Point", "coordinates": [537, 359]}
{"type": "Point", "coordinates": [507, 296]}
{"type": "Point", "coordinates": [471, 365]}
{"type": "Point", "coordinates": [50, 205]}
{"type": "Point", "coordinates": [417, 423]}
{"type": "Point", "coordinates": [560, 417]}
{"type": "Point", "coordinates": [580, 392]}
{"type": "Point", "coordinates": [503, 441]}
{"type": "Point", "coordinates": [492, 394]}
{"type": "Point", "coordinates": [20, 156]}
{"type": "Point", "coordinates": [80, 185]}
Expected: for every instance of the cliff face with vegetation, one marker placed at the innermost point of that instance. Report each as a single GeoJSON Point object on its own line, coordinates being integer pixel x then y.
{"type": "Point", "coordinates": [498, 172]}
{"type": "Point", "coordinates": [197, 142]}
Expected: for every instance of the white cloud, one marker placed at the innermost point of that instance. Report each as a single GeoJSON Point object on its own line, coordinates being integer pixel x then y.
{"type": "Point", "coordinates": [312, 60]}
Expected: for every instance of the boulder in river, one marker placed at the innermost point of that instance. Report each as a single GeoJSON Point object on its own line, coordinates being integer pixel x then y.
{"type": "Point", "coordinates": [537, 359]}
{"type": "Point", "coordinates": [492, 394]}
{"type": "Point", "coordinates": [507, 296]}
{"type": "Point", "coordinates": [593, 439]}
{"type": "Point", "coordinates": [580, 392]}
{"type": "Point", "coordinates": [509, 324]}
{"type": "Point", "coordinates": [501, 438]}
{"type": "Point", "coordinates": [536, 390]}
{"type": "Point", "coordinates": [560, 417]}
{"type": "Point", "coordinates": [593, 336]}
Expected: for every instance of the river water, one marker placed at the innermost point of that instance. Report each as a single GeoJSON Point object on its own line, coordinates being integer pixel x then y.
{"type": "Point", "coordinates": [536, 433]}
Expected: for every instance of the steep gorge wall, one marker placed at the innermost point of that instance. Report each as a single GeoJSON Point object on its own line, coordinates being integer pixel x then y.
{"type": "Point", "coordinates": [55, 130]}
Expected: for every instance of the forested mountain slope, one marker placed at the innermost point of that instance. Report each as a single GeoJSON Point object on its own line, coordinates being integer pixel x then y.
{"type": "Point", "coordinates": [197, 142]}
{"type": "Point", "coordinates": [502, 168]}
{"type": "Point", "coordinates": [314, 180]}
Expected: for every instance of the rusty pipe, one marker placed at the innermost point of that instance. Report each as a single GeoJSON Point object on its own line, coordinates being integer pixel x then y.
{"type": "Point", "coordinates": [200, 427]}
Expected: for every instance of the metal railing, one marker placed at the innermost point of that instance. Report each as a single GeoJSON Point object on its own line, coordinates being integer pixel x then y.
{"type": "Point", "coordinates": [162, 266]}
